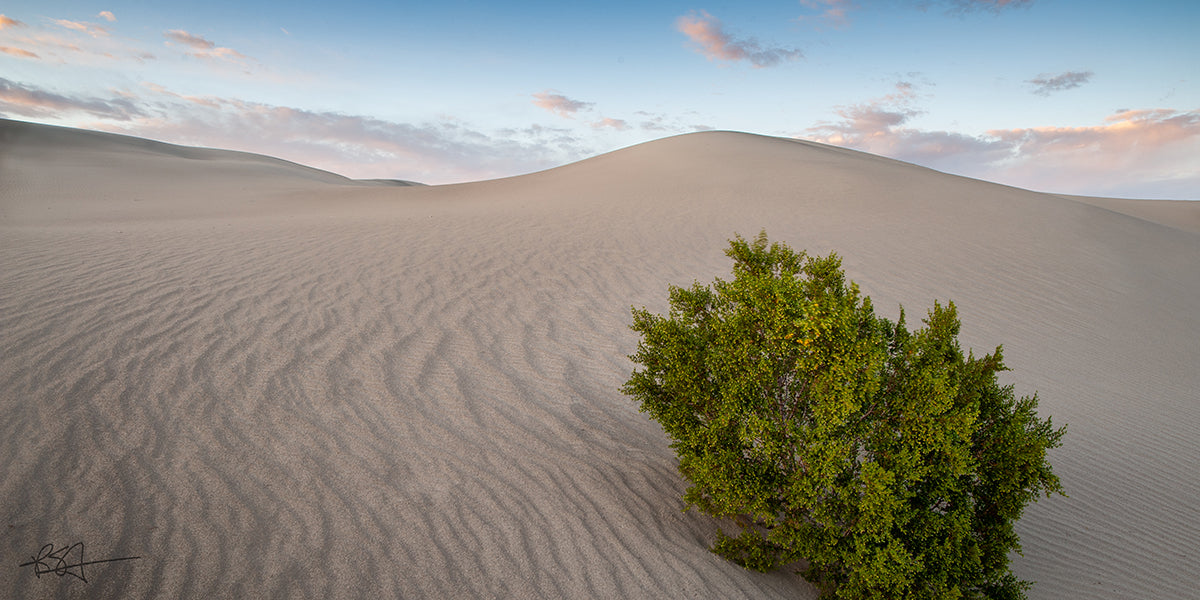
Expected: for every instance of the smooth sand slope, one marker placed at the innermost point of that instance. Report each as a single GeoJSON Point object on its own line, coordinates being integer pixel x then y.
{"type": "Point", "coordinates": [268, 381]}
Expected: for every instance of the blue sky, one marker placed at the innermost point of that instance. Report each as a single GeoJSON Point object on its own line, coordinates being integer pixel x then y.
{"type": "Point", "coordinates": [1080, 97]}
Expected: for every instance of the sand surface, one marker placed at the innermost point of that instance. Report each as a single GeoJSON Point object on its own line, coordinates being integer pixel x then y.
{"type": "Point", "coordinates": [268, 381]}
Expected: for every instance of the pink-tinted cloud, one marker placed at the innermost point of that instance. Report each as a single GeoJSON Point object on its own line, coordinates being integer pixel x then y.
{"type": "Point", "coordinates": [6, 22]}
{"type": "Point", "coordinates": [867, 121]}
{"type": "Point", "coordinates": [107, 16]}
{"type": "Point", "coordinates": [1133, 153]}
{"type": "Point", "coordinates": [713, 42]}
{"type": "Point", "coordinates": [52, 44]}
{"type": "Point", "coordinates": [30, 101]}
{"type": "Point", "coordinates": [209, 101]}
{"type": "Point", "coordinates": [559, 104]}
{"type": "Point", "coordinates": [77, 51]}
{"type": "Point", "coordinates": [608, 123]}
{"type": "Point", "coordinates": [1046, 84]}
{"type": "Point", "coordinates": [91, 29]}
{"type": "Point", "coordinates": [18, 52]}
{"type": "Point", "coordinates": [833, 12]}
{"type": "Point", "coordinates": [878, 126]}
{"type": "Point", "coordinates": [195, 42]}
{"type": "Point", "coordinates": [358, 146]}
{"type": "Point", "coordinates": [441, 151]}
{"type": "Point", "coordinates": [202, 47]}
{"type": "Point", "coordinates": [1157, 148]}
{"type": "Point", "coordinates": [65, 41]}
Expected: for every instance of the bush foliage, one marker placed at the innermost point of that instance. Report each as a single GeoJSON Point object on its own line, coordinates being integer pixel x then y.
{"type": "Point", "coordinates": [886, 460]}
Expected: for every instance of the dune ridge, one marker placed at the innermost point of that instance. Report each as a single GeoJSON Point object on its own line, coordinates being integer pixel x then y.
{"type": "Point", "coordinates": [266, 381]}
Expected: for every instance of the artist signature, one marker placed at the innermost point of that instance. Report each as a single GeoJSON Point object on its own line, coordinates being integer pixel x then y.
{"type": "Point", "coordinates": [59, 562]}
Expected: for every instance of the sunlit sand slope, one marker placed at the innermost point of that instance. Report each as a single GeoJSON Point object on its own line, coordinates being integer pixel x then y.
{"type": "Point", "coordinates": [264, 380]}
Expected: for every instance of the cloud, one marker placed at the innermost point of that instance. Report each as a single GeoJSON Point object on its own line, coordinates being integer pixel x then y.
{"type": "Point", "coordinates": [201, 47]}
{"type": "Point", "coordinates": [1045, 84]}
{"type": "Point", "coordinates": [995, 6]}
{"type": "Point", "coordinates": [878, 126]}
{"type": "Point", "coordinates": [831, 11]}
{"type": "Point", "coordinates": [662, 123]}
{"type": "Point", "coordinates": [107, 16]}
{"type": "Point", "coordinates": [865, 121]}
{"type": "Point", "coordinates": [713, 42]}
{"type": "Point", "coordinates": [559, 104]}
{"type": "Point", "coordinates": [442, 151]}
{"type": "Point", "coordinates": [91, 29]}
{"type": "Point", "coordinates": [607, 123]}
{"type": "Point", "coordinates": [837, 12]}
{"type": "Point", "coordinates": [73, 42]}
{"type": "Point", "coordinates": [18, 52]}
{"type": "Point", "coordinates": [1132, 153]}
{"type": "Point", "coordinates": [654, 123]}
{"type": "Point", "coordinates": [445, 150]}
{"type": "Point", "coordinates": [28, 101]}
{"type": "Point", "coordinates": [6, 22]}
{"type": "Point", "coordinates": [209, 101]}
{"type": "Point", "coordinates": [194, 42]}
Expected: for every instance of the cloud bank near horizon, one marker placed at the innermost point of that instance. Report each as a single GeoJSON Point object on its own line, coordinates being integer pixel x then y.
{"type": "Point", "coordinates": [1157, 148]}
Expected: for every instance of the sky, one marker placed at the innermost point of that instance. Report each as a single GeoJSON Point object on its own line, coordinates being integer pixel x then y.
{"type": "Point", "coordinates": [1092, 97]}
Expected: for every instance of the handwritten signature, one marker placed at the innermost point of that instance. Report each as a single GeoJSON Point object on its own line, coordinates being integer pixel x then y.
{"type": "Point", "coordinates": [58, 562]}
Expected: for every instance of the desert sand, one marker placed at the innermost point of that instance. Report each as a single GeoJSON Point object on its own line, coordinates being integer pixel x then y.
{"type": "Point", "coordinates": [264, 380]}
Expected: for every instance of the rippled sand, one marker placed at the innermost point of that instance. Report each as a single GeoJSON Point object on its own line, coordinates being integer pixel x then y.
{"type": "Point", "coordinates": [267, 381]}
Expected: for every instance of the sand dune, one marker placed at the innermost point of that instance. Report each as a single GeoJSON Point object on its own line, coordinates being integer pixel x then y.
{"type": "Point", "coordinates": [269, 381]}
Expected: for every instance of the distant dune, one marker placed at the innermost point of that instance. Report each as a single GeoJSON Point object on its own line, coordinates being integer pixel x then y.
{"type": "Point", "coordinates": [266, 380]}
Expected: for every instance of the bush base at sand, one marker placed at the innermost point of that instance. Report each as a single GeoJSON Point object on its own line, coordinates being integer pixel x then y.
{"type": "Point", "coordinates": [888, 461]}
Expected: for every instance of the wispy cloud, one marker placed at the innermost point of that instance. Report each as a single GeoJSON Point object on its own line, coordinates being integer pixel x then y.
{"type": "Point", "coordinates": [107, 16]}
{"type": "Point", "coordinates": [1159, 149]}
{"type": "Point", "coordinates": [201, 47]}
{"type": "Point", "coordinates": [837, 12]}
{"type": "Point", "coordinates": [30, 101]}
{"type": "Point", "coordinates": [1046, 84]}
{"type": "Point", "coordinates": [869, 120]}
{"type": "Point", "coordinates": [91, 29]}
{"type": "Point", "coordinates": [209, 101]}
{"type": "Point", "coordinates": [833, 12]}
{"type": "Point", "coordinates": [444, 150]}
{"type": "Point", "coordinates": [559, 104]}
{"type": "Point", "coordinates": [21, 52]}
{"type": "Point", "coordinates": [714, 42]}
{"type": "Point", "coordinates": [6, 22]}
{"type": "Point", "coordinates": [66, 41]}
{"type": "Point", "coordinates": [441, 151]}
{"type": "Point", "coordinates": [609, 123]}
{"type": "Point", "coordinates": [987, 5]}
{"type": "Point", "coordinates": [192, 41]}
{"type": "Point", "coordinates": [878, 126]}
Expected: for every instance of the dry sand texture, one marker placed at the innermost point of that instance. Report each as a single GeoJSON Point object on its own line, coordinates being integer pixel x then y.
{"type": "Point", "coordinates": [270, 381]}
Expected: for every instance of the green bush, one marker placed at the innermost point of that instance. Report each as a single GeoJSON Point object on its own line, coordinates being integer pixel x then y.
{"type": "Point", "coordinates": [888, 461]}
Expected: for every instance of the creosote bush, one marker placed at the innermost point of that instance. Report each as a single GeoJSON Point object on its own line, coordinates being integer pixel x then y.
{"type": "Point", "coordinates": [888, 461]}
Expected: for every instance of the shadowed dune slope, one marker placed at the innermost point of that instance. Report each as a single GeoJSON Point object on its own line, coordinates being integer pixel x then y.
{"type": "Point", "coordinates": [269, 381]}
